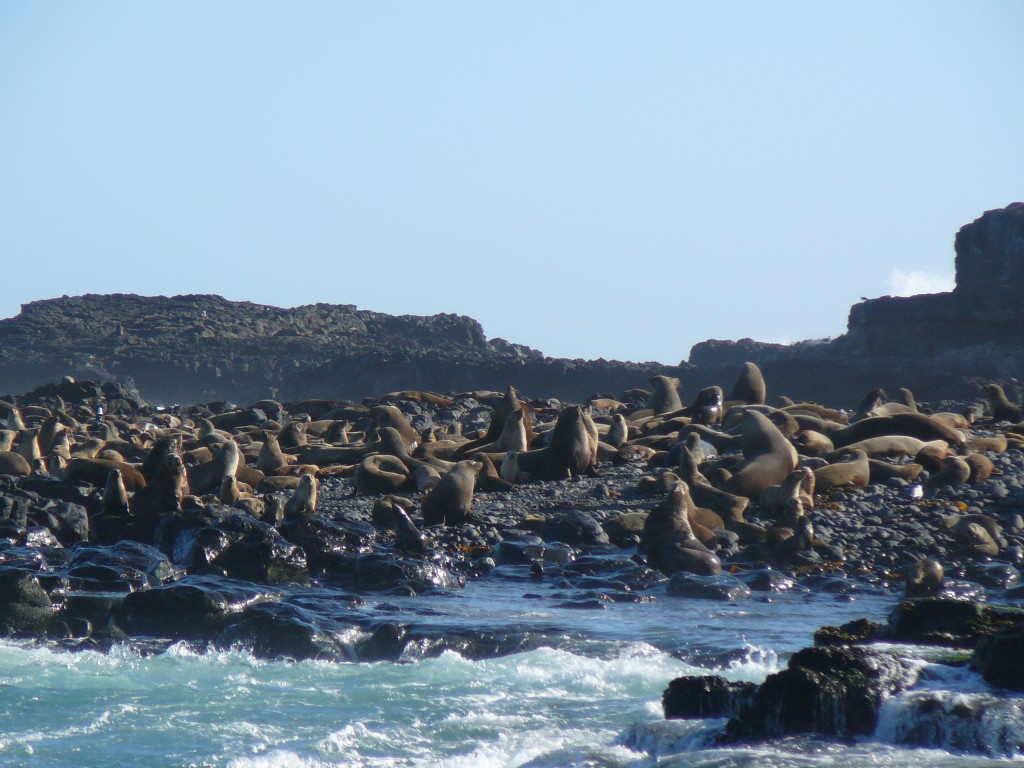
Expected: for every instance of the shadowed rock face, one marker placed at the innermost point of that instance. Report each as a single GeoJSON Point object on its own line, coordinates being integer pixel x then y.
{"type": "Point", "coordinates": [205, 348]}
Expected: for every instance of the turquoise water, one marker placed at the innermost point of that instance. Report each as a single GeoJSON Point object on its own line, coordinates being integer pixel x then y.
{"type": "Point", "coordinates": [594, 701]}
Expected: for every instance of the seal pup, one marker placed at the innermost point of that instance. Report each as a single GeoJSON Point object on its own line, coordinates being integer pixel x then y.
{"type": "Point", "coordinates": [618, 431]}
{"type": "Point", "coordinates": [955, 471]}
{"type": "Point", "coordinates": [668, 539]}
{"type": "Point", "coordinates": [450, 501]}
{"type": "Point", "coordinates": [115, 496]}
{"type": "Point", "coordinates": [408, 538]}
{"type": "Point", "coordinates": [303, 499]}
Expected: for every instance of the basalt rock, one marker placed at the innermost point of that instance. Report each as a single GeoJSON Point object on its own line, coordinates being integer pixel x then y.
{"type": "Point", "coordinates": [831, 691]}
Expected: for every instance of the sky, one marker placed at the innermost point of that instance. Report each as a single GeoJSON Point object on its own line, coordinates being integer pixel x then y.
{"type": "Point", "coordinates": [591, 179]}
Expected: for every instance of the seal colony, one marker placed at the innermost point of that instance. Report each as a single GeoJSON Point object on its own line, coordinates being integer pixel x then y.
{"type": "Point", "coordinates": [208, 523]}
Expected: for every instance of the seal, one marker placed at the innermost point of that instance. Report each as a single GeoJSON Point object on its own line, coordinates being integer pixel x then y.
{"type": "Point", "coordinates": [389, 416]}
{"type": "Point", "coordinates": [569, 450]}
{"type": "Point", "coordinates": [955, 471]}
{"type": "Point", "coordinates": [749, 387]}
{"type": "Point", "coordinates": [618, 431]}
{"type": "Point", "coordinates": [999, 404]}
{"type": "Point", "coordinates": [917, 425]}
{"type": "Point", "coordinates": [95, 471]}
{"type": "Point", "coordinates": [799, 484]}
{"type": "Point", "coordinates": [668, 539]}
{"type": "Point", "coordinates": [7, 439]}
{"type": "Point", "coordinates": [270, 456]}
{"type": "Point", "coordinates": [852, 472]}
{"type": "Point", "coordinates": [924, 578]}
{"type": "Point", "coordinates": [115, 496]}
{"type": "Point", "coordinates": [768, 457]}
{"type": "Point", "coordinates": [159, 497]}
{"type": "Point", "coordinates": [209, 476]}
{"type": "Point", "coordinates": [380, 473]}
{"type": "Point", "coordinates": [665, 397]}
{"type": "Point", "coordinates": [303, 499]}
{"type": "Point", "coordinates": [10, 417]}
{"type": "Point", "coordinates": [450, 501]}
{"type": "Point", "coordinates": [408, 538]}
{"type": "Point", "coordinates": [28, 446]}
{"type": "Point", "coordinates": [12, 463]}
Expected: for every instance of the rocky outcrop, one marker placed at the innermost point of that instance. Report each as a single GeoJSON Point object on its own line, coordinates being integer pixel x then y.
{"type": "Point", "coordinates": [206, 348]}
{"type": "Point", "coordinates": [943, 342]}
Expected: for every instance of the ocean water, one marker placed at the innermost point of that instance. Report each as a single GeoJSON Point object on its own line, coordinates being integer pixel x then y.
{"type": "Point", "coordinates": [590, 697]}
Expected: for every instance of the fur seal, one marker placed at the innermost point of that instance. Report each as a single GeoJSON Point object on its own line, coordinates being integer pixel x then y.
{"type": "Point", "coordinates": [569, 450]}
{"type": "Point", "coordinates": [851, 472]}
{"type": "Point", "coordinates": [380, 473]}
{"type": "Point", "coordinates": [618, 432]}
{"type": "Point", "coordinates": [208, 476]}
{"type": "Point", "coordinates": [303, 499]}
{"type": "Point", "coordinates": [408, 538]}
{"type": "Point", "coordinates": [665, 397]}
{"type": "Point", "coordinates": [271, 456]}
{"type": "Point", "coordinates": [668, 539]}
{"type": "Point", "coordinates": [159, 497]}
{"type": "Point", "coordinates": [799, 484]}
{"type": "Point", "coordinates": [115, 496]}
{"type": "Point", "coordinates": [12, 463]}
{"type": "Point", "coordinates": [749, 387]}
{"type": "Point", "coordinates": [917, 425]}
{"type": "Point", "coordinates": [389, 416]}
{"type": "Point", "coordinates": [95, 471]}
{"type": "Point", "coordinates": [924, 578]}
{"type": "Point", "coordinates": [955, 471]}
{"type": "Point", "coordinates": [981, 467]}
{"type": "Point", "coordinates": [1000, 405]}
{"type": "Point", "coordinates": [450, 501]}
{"type": "Point", "coordinates": [768, 457]}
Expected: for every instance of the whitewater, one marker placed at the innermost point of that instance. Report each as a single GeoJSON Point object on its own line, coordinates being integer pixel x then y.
{"type": "Point", "coordinates": [591, 696]}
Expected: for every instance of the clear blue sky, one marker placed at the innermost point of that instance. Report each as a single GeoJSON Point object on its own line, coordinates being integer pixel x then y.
{"type": "Point", "coordinates": [591, 179]}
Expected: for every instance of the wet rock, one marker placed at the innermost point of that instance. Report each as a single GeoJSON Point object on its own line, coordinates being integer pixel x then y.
{"type": "Point", "coordinates": [283, 631]}
{"type": "Point", "coordinates": [720, 586]}
{"type": "Point", "coordinates": [193, 607]}
{"type": "Point", "coordinates": [938, 621]}
{"type": "Point", "coordinates": [25, 607]}
{"type": "Point", "coordinates": [577, 529]}
{"type": "Point", "coordinates": [382, 572]}
{"type": "Point", "coordinates": [832, 691]}
{"type": "Point", "coordinates": [999, 658]}
{"type": "Point", "coordinates": [705, 696]}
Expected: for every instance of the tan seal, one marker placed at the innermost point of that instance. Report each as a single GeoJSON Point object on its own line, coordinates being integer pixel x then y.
{"type": "Point", "coordinates": [450, 501]}
{"type": "Point", "coordinates": [668, 539]}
